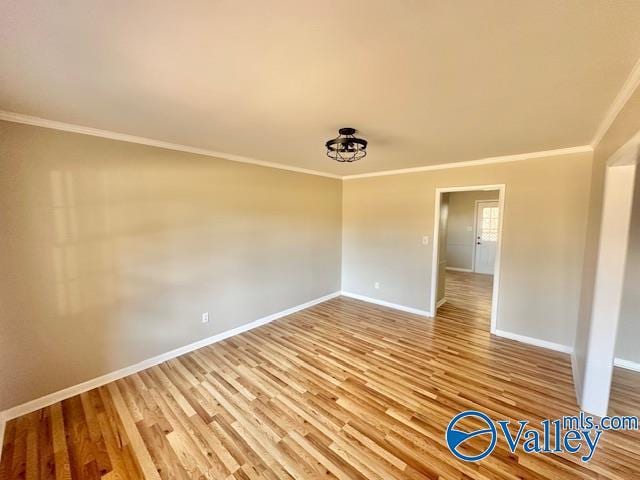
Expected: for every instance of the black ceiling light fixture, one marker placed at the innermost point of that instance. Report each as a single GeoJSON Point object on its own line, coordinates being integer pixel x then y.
{"type": "Point", "coordinates": [346, 147]}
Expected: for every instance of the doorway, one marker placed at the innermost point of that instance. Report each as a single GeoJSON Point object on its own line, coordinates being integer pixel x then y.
{"type": "Point", "coordinates": [609, 336]}
{"type": "Point", "coordinates": [466, 254]}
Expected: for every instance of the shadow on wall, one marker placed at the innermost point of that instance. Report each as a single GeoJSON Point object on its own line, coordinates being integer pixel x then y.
{"type": "Point", "coordinates": [112, 252]}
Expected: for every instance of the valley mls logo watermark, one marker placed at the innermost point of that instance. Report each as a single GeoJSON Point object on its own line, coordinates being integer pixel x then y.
{"type": "Point", "coordinates": [571, 434]}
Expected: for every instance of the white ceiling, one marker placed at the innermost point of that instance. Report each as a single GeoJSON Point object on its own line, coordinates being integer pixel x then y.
{"type": "Point", "coordinates": [426, 82]}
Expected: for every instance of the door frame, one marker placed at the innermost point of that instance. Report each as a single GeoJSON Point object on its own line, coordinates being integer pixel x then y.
{"type": "Point", "coordinates": [475, 230]}
{"type": "Point", "coordinates": [501, 188]}
{"type": "Point", "coordinates": [593, 374]}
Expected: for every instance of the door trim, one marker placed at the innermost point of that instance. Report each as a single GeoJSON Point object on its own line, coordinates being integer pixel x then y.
{"type": "Point", "coordinates": [608, 288]}
{"type": "Point", "coordinates": [501, 188]}
{"type": "Point", "coordinates": [593, 368]}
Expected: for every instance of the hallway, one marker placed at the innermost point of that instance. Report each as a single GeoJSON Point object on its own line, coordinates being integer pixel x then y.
{"type": "Point", "coordinates": [468, 299]}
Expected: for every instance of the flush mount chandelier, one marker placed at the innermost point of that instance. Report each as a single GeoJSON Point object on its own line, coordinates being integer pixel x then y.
{"type": "Point", "coordinates": [346, 147]}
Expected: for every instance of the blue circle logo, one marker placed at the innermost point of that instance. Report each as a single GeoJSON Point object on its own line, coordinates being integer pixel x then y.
{"type": "Point", "coordinates": [455, 437]}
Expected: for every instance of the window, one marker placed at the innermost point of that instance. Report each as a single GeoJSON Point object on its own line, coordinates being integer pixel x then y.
{"type": "Point", "coordinates": [489, 224]}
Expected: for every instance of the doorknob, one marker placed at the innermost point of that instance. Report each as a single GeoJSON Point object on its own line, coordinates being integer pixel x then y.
{"type": "Point", "coordinates": [478, 243]}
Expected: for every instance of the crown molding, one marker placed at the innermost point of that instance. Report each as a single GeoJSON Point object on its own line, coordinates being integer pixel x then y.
{"type": "Point", "coordinates": [473, 163]}
{"type": "Point", "coordinates": [123, 137]}
{"type": "Point", "coordinates": [628, 87]}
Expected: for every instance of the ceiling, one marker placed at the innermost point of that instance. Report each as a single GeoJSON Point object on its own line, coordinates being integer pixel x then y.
{"type": "Point", "coordinates": [426, 82]}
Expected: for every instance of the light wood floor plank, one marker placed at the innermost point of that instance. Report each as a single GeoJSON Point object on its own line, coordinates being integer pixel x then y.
{"type": "Point", "coordinates": [343, 390]}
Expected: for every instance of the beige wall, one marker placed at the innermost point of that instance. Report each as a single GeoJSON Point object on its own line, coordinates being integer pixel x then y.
{"type": "Point", "coordinates": [628, 335]}
{"type": "Point", "coordinates": [625, 126]}
{"type": "Point", "coordinates": [461, 240]}
{"type": "Point", "coordinates": [111, 251]}
{"type": "Point", "coordinates": [544, 225]}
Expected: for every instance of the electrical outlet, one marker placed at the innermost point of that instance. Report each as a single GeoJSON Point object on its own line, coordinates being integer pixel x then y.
{"type": "Point", "coordinates": [376, 285]}
{"type": "Point", "coordinates": [205, 317]}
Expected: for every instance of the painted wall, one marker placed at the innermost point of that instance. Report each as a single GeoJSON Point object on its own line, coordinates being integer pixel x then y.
{"type": "Point", "coordinates": [624, 127]}
{"type": "Point", "coordinates": [384, 219]}
{"type": "Point", "coordinates": [460, 237]}
{"type": "Point", "coordinates": [111, 251]}
{"type": "Point", "coordinates": [628, 336]}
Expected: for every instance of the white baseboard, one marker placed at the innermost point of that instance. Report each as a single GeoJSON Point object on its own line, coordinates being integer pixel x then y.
{"type": "Point", "coordinates": [626, 364]}
{"type": "Point", "coordinates": [441, 302]}
{"type": "Point", "coordinates": [384, 303]}
{"type": "Point", "coordinates": [110, 377]}
{"type": "Point", "coordinates": [454, 269]}
{"type": "Point", "coordinates": [534, 341]}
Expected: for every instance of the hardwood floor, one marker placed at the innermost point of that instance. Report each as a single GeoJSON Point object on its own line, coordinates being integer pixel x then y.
{"type": "Point", "coordinates": [625, 393]}
{"type": "Point", "coordinates": [468, 298]}
{"type": "Point", "coordinates": [344, 390]}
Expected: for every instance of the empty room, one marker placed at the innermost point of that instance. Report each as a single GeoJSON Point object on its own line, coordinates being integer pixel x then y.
{"type": "Point", "coordinates": [301, 240]}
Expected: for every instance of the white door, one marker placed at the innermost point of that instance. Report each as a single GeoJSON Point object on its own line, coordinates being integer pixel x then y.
{"type": "Point", "coordinates": [487, 220]}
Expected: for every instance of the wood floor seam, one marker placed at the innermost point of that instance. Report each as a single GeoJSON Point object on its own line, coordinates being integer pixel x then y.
{"type": "Point", "coordinates": [344, 389]}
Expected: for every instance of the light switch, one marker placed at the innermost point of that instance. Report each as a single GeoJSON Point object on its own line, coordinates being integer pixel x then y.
{"type": "Point", "coordinates": [425, 240]}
